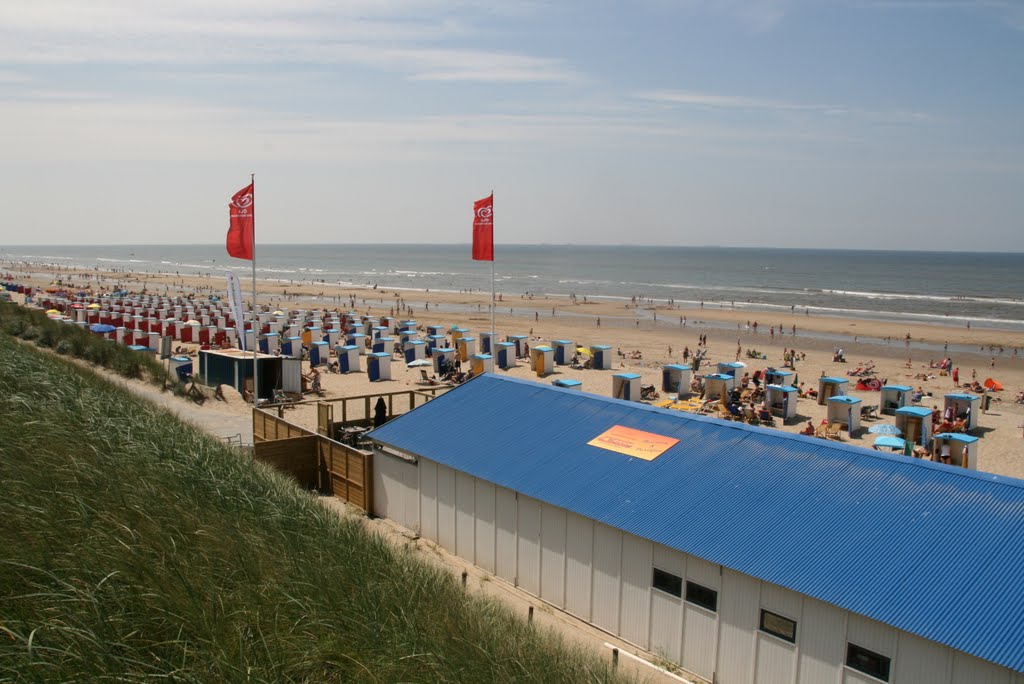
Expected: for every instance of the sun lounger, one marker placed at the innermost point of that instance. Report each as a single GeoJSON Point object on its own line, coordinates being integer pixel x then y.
{"type": "Point", "coordinates": [834, 431]}
{"type": "Point", "coordinates": [821, 431]}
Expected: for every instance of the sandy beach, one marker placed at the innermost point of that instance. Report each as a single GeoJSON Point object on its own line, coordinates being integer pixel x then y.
{"type": "Point", "coordinates": [650, 335]}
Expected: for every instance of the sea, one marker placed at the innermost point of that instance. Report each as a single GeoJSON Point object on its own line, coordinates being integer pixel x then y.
{"type": "Point", "coordinates": [985, 290]}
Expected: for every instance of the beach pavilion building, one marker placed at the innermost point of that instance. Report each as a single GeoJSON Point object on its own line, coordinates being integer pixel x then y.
{"type": "Point", "coordinates": [743, 554]}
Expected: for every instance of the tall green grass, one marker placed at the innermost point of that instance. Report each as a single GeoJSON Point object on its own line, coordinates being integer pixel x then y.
{"type": "Point", "coordinates": [135, 548]}
{"type": "Point", "coordinates": [33, 325]}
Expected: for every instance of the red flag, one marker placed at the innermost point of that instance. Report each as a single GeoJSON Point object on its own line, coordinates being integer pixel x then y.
{"type": "Point", "coordinates": [483, 229]}
{"type": "Point", "coordinates": [243, 217]}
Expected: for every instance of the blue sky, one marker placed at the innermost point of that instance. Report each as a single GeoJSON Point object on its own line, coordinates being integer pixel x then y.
{"type": "Point", "coordinates": [793, 123]}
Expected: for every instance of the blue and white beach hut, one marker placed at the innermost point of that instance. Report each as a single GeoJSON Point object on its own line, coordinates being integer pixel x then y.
{"type": "Point", "coordinates": [270, 343]}
{"type": "Point", "coordinates": [831, 387]}
{"type": "Point", "coordinates": [730, 367]}
{"type": "Point", "coordinates": [415, 350]}
{"type": "Point", "coordinates": [675, 378]}
{"type": "Point", "coordinates": [348, 358]}
{"type": "Point", "coordinates": [782, 378]}
{"type": "Point", "coordinates": [506, 355]}
{"type": "Point", "coordinates": [962, 449]}
{"type": "Point", "coordinates": [379, 331]}
{"type": "Point", "coordinates": [964, 407]}
{"type": "Point", "coordinates": [717, 386]}
{"type": "Point", "coordinates": [378, 366]}
{"type": "Point", "coordinates": [181, 367]}
{"type": "Point", "coordinates": [781, 400]}
{"type": "Point", "coordinates": [384, 344]}
{"type": "Point", "coordinates": [480, 364]}
{"type": "Point", "coordinates": [845, 410]}
{"type": "Point", "coordinates": [409, 325]}
{"type": "Point", "coordinates": [542, 361]}
{"type": "Point", "coordinates": [894, 397]}
{"type": "Point", "coordinates": [291, 347]}
{"type": "Point", "coordinates": [443, 358]}
{"type": "Point", "coordinates": [602, 356]}
{"type": "Point", "coordinates": [435, 341]}
{"type": "Point", "coordinates": [332, 336]}
{"type": "Point", "coordinates": [358, 340]}
{"type": "Point", "coordinates": [916, 424]}
{"type": "Point", "coordinates": [356, 328]}
{"type": "Point", "coordinates": [405, 337]}
{"type": "Point", "coordinates": [564, 350]}
{"type": "Point", "coordinates": [626, 386]}
{"type": "Point", "coordinates": [466, 347]}
{"type": "Point", "coordinates": [435, 330]}
{"type": "Point", "coordinates": [520, 341]}
{"type": "Point", "coordinates": [319, 353]}
{"type": "Point", "coordinates": [567, 383]}
{"type": "Point", "coordinates": [486, 341]}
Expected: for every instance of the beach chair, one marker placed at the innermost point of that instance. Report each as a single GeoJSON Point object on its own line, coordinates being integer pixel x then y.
{"type": "Point", "coordinates": [821, 431]}
{"type": "Point", "coordinates": [869, 412]}
{"type": "Point", "coordinates": [834, 431]}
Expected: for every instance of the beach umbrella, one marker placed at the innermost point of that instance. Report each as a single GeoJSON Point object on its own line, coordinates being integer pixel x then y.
{"type": "Point", "coordinates": [93, 306]}
{"type": "Point", "coordinates": [885, 429]}
{"type": "Point", "coordinates": [76, 305]}
{"type": "Point", "coordinates": [740, 364]}
{"type": "Point", "coordinates": [279, 313]}
{"type": "Point", "coordinates": [890, 441]}
{"type": "Point", "coordinates": [50, 312]}
{"type": "Point", "coordinates": [101, 328]}
{"type": "Point", "coordinates": [191, 321]}
{"type": "Point", "coordinates": [419, 362]}
{"type": "Point", "coordinates": [582, 350]}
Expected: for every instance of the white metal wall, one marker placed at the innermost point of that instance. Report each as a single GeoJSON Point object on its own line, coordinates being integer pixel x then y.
{"type": "Point", "coordinates": [604, 576]}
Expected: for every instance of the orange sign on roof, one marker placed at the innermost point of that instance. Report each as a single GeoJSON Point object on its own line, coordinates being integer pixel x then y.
{"type": "Point", "coordinates": [624, 440]}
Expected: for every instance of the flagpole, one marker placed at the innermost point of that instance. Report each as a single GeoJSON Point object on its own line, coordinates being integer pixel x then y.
{"type": "Point", "coordinates": [255, 334]}
{"type": "Point", "coordinates": [494, 304]}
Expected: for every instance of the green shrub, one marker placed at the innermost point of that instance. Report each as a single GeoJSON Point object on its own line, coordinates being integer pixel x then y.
{"type": "Point", "coordinates": [64, 347]}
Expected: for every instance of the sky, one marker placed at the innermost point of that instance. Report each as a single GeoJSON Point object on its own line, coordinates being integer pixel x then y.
{"type": "Point", "coordinates": [883, 124]}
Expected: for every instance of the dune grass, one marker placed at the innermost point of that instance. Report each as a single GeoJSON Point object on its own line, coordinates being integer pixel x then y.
{"type": "Point", "coordinates": [135, 548]}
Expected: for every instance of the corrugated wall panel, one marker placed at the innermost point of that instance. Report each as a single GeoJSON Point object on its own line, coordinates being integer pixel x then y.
{"type": "Point", "coordinates": [738, 616]}
{"type": "Point", "coordinates": [871, 635]}
{"type": "Point", "coordinates": [579, 561]}
{"type": "Point", "coordinates": [506, 539]}
{"type": "Point", "coordinates": [607, 579]}
{"type": "Point", "coordinates": [552, 555]}
{"type": "Point", "coordinates": [428, 500]}
{"type": "Point", "coordinates": [667, 610]}
{"type": "Point", "coordinates": [446, 507]}
{"type": "Point", "coordinates": [968, 670]}
{"type": "Point", "coordinates": [700, 637]}
{"type": "Point", "coordinates": [821, 634]}
{"type": "Point", "coordinates": [922, 662]}
{"type": "Point", "coordinates": [411, 497]}
{"type": "Point", "coordinates": [528, 566]}
{"type": "Point", "coordinates": [485, 535]}
{"type": "Point", "coordinates": [465, 516]}
{"type": "Point", "coordinates": [637, 571]}
{"type": "Point", "coordinates": [776, 660]}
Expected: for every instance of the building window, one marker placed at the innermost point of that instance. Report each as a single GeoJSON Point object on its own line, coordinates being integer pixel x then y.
{"type": "Point", "coordinates": [668, 583]}
{"type": "Point", "coordinates": [779, 626]}
{"type": "Point", "coordinates": [702, 596]}
{"type": "Point", "coordinates": [868, 662]}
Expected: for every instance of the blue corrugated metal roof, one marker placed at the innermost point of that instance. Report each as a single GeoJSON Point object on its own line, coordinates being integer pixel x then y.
{"type": "Point", "coordinates": [962, 397]}
{"type": "Point", "coordinates": [919, 411]}
{"type": "Point", "coordinates": [928, 548]}
{"type": "Point", "coordinates": [843, 400]}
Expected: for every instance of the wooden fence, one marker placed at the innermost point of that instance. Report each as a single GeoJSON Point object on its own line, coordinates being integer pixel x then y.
{"type": "Point", "coordinates": [314, 460]}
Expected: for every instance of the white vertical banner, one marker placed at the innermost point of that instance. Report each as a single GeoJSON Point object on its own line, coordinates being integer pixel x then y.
{"type": "Point", "coordinates": [235, 302]}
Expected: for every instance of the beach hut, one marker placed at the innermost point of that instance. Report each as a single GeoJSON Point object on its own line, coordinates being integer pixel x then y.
{"type": "Point", "coordinates": [542, 361]}
{"type": "Point", "coordinates": [602, 356]}
{"type": "Point", "coordinates": [458, 333]}
{"type": "Point", "coordinates": [230, 335]}
{"type": "Point", "coordinates": [564, 350]}
{"type": "Point", "coordinates": [486, 342]}
{"type": "Point", "coordinates": [415, 350]}
{"type": "Point", "coordinates": [730, 367]}
{"type": "Point", "coordinates": [181, 367]}
{"type": "Point", "coordinates": [119, 334]}
{"type": "Point", "coordinates": [356, 328]}
{"type": "Point", "coordinates": [915, 422]}
{"type": "Point", "coordinates": [962, 449]}
{"type": "Point", "coordinates": [480, 364]}
{"type": "Point", "coordinates": [831, 387]}
{"type": "Point", "coordinates": [567, 383]}
{"type": "Point", "coordinates": [270, 343]}
{"type": "Point", "coordinates": [893, 397]}
{"type": "Point", "coordinates": [153, 340]}
{"type": "Point", "coordinates": [506, 356]}
{"type": "Point", "coordinates": [626, 386]}
{"type": "Point", "coordinates": [379, 331]}
{"type": "Point", "coordinates": [348, 358]}
{"type": "Point", "coordinates": [409, 325]}
{"type": "Point", "coordinates": [332, 336]}
{"type": "Point", "coordinates": [233, 367]}
{"type": "Point", "coordinates": [435, 341]}
{"type": "Point", "coordinates": [520, 342]}
{"type": "Point", "coordinates": [357, 340]}
{"type": "Point", "coordinates": [782, 378]}
{"type": "Point", "coordinates": [378, 366]}
{"type": "Point", "coordinates": [292, 347]}
{"type": "Point", "coordinates": [443, 358]}
{"type": "Point", "coordinates": [388, 322]}
{"type": "Point", "coordinates": [845, 410]}
{"type": "Point", "coordinates": [717, 386]}
{"type": "Point", "coordinates": [384, 344]}
{"type": "Point", "coordinates": [962, 407]}
{"type": "Point", "coordinates": [466, 347]}
{"type": "Point", "coordinates": [405, 337]}
{"type": "Point", "coordinates": [675, 378]}
{"type": "Point", "coordinates": [781, 400]}
{"type": "Point", "coordinates": [319, 353]}
{"type": "Point", "coordinates": [435, 330]}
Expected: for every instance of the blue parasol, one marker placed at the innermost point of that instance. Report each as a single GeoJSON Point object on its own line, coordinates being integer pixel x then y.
{"type": "Point", "coordinates": [101, 328]}
{"type": "Point", "coordinates": [885, 429]}
{"type": "Point", "coordinates": [890, 441]}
